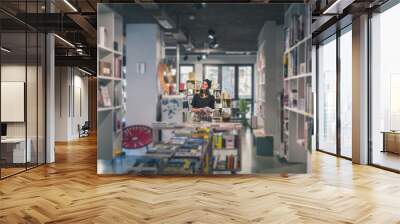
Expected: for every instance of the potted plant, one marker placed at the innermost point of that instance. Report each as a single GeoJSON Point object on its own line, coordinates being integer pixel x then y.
{"type": "Point", "coordinates": [243, 110]}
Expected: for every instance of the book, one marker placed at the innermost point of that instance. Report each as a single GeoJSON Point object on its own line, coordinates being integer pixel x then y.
{"type": "Point", "coordinates": [105, 68]}
{"type": "Point", "coordinates": [105, 96]}
{"type": "Point", "coordinates": [229, 141]}
{"type": "Point", "coordinates": [116, 46]}
{"type": "Point", "coordinates": [117, 67]}
{"type": "Point", "coordinates": [181, 166]}
{"type": "Point", "coordinates": [102, 36]}
{"type": "Point", "coordinates": [161, 150]}
{"type": "Point", "coordinates": [117, 121]}
{"type": "Point", "coordinates": [217, 141]}
{"type": "Point", "coordinates": [178, 140]}
{"type": "Point", "coordinates": [145, 166]}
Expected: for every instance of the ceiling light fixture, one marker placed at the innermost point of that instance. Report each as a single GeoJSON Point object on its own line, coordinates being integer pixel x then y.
{"type": "Point", "coordinates": [70, 5]}
{"type": "Point", "coordinates": [165, 23]}
{"type": "Point", "coordinates": [204, 56]}
{"type": "Point", "coordinates": [84, 71]}
{"type": "Point", "coordinates": [5, 50]}
{"type": "Point", "coordinates": [79, 51]}
{"type": "Point", "coordinates": [170, 47]}
{"type": "Point", "coordinates": [337, 7]}
{"type": "Point", "coordinates": [211, 34]}
{"type": "Point", "coordinates": [64, 40]}
{"type": "Point", "coordinates": [214, 44]}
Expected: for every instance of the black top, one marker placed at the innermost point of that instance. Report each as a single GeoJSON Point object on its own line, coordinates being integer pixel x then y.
{"type": "Point", "coordinates": [200, 102]}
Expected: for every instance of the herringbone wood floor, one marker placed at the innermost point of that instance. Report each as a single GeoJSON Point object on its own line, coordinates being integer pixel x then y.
{"type": "Point", "coordinates": [69, 191]}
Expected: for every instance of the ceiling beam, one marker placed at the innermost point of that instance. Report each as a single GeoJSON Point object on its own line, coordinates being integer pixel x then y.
{"type": "Point", "coordinates": [82, 61]}
{"type": "Point", "coordinates": [84, 24]}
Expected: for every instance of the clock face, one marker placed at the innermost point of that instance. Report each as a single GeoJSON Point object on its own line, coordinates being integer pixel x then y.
{"type": "Point", "coordinates": [136, 136]}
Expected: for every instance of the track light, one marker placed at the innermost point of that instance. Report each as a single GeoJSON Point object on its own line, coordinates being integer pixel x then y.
{"type": "Point", "coordinates": [185, 58]}
{"type": "Point", "coordinates": [199, 58]}
{"type": "Point", "coordinates": [84, 71]}
{"type": "Point", "coordinates": [70, 5]}
{"type": "Point", "coordinates": [204, 56]}
{"type": "Point", "coordinates": [5, 50]}
{"type": "Point", "coordinates": [211, 34]}
{"type": "Point", "coordinates": [214, 44]}
{"type": "Point", "coordinates": [65, 41]}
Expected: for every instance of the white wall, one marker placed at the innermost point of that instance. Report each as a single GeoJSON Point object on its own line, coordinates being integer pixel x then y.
{"type": "Point", "coordinates": [142, 46]}
{"type": "Point", "coordinates": [70, 83]}
{"type": "Point", "coordinates": [33, 126]}
{"type": "Point", "coordinates": [16, 73]}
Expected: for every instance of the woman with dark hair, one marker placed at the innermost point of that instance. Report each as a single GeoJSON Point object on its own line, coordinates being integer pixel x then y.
{"type": "Point", "coordinates": [204, 99]}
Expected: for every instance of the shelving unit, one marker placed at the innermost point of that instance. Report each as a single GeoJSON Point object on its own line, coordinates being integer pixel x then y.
{"type": "Point", "coordinates": [226, 150]}
{"type": "Point", "coordinates": [297, 102]}
{"type": "Point", "coordinates": [260, 102]}
{"type": "Point", "coordinates": [110, 78]}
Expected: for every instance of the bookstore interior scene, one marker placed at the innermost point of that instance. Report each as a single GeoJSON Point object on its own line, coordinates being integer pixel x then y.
{"type": "Point", "coordinates": [204, 89]}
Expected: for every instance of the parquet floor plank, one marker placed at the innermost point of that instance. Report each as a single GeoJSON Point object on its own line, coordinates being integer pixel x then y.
{"type": "Point", "coordinates": [70, 191]}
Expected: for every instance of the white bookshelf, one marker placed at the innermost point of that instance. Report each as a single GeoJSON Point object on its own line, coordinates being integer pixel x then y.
{"type": "Point", "coordinates": [297, 78]}
{"type": "Point", "coordinates": [109, 81]}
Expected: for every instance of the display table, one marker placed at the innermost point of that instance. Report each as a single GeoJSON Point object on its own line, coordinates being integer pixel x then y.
{"type": "Point", "coordinates": [221, 152]}
{"type": "Point", "coordinates": [391, 141]}
{"type": "Point", "coordinates": [13, 150]}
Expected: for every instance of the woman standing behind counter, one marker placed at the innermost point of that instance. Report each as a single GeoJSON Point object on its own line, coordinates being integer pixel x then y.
{"type": "Point", "coordinates": [203, 101]}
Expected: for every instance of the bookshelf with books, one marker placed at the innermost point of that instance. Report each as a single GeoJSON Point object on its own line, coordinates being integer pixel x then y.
{"type": "Point", "coordinates": [297, 100]}
{"type": "Point", "coordinates": [109, 83]}
{"type": "Point", "coordinates": [226, 150]}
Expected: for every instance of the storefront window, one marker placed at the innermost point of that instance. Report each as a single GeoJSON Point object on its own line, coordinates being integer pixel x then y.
{"type": "Point", "coordinates": [184, 72]}
{"type": "Point", "coordinates": [211, 73]}
{"type": "Point", "coordinates": [385, 89]}
{"type": "Point", "coordinates": [327, 96]}
{"type": "Point", "coordinates": [245, 82]}
{"type": "Point", "coordinates": [228, 80]}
